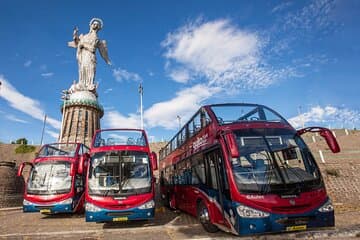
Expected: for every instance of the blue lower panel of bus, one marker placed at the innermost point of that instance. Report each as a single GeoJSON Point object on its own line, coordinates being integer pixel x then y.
{"type": "Point", "coordinates": [50, 209]}
{"type": "Point", "coordinates": [284, 222]}
{"type": "Point", "coordinates": [106, 215]}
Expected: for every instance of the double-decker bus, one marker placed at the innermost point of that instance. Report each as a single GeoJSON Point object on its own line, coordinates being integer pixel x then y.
{"type": "Point", "coordinates": [120, 185]}
{"type": "Point", "coordinates": [244, 169]}
{"type": "Point", "coordinates": [54, 184]}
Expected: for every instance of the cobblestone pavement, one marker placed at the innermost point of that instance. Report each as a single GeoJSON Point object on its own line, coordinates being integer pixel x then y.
{"type": "Point", "coordinates": [168, 225]}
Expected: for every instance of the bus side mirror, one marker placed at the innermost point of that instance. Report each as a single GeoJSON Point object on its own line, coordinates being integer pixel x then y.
{"type": "Point", "coordinates": [153, 159]}
{"type": "Point", "coordinates": [330, 140]}
{"type": "Point", "coordinates": [21, 168]}
{"type": "Point", "coordinates": [326, 134]}
{"type": "Point", "coordinates": [231, 142]}
{"type": "Point", "coordinates": [83, 162]}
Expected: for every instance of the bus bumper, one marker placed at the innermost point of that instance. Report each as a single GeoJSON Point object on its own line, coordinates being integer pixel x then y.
{"type": "Point", "coordinates": [284, 222]}
{"type": "Point", "coordinates": [64, 207]}
{"type": "Point", "coordinates": [107, 215]}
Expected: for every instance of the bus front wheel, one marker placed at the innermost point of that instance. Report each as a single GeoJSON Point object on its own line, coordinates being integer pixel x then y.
{"type": "Point", "coordinates": [204, 218]}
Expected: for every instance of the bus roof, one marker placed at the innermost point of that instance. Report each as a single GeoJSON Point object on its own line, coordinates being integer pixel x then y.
{"type": "Point", "coordinates": [220, 116]}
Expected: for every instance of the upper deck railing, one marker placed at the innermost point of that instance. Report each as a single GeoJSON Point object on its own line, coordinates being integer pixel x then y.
{"type": "Point", "coordinates": [120, 137]}
{"type": "Point", "coordinates": [219, 115]}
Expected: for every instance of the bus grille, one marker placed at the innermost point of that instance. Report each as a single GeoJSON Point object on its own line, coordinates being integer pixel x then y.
{"type": "Point", "coordinates": [290, 208]}
{"type": "Point", "coordinates": [44, 207]}
{"type": "Point", "coordinates": [294, 221]}
{"type": "Point", "coordinates": [119, 214]}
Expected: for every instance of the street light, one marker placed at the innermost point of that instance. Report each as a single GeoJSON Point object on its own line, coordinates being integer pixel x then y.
{"type": "Point", "coordinates": [141, 92]}
{"type": "Point", "coordinates": [65, 96]}
{"type": "Point", "coordinates": [179, 119]}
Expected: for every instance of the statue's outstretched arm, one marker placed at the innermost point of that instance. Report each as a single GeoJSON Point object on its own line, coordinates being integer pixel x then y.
{"type": "Point", "coordinates": [104, 51]}
{"type": "Point", "coordinates": [76, 39]}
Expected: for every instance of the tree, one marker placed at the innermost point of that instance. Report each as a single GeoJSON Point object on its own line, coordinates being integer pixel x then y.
{"type": "Point", "coordinates": [22, 141]}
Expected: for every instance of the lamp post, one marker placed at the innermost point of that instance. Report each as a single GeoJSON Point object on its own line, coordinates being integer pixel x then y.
{"type": "Point", "coordinates": [179, 119]}
{"type": "Point", "coordinates": [43, 129]}
{"type": "Point", "coordinates": [302, 120]}
{"type": "Point", "coordinates": [64, 97]}
{"type": "Point", "coordinates": [141, 92]}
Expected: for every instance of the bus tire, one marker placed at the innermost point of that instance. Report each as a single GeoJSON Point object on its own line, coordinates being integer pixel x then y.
{"type": "Point", "coordinates": [204, 218]}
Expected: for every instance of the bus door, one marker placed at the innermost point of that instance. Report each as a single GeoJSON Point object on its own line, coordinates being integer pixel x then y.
{"type": "Point", "coordinates": [218, 184]}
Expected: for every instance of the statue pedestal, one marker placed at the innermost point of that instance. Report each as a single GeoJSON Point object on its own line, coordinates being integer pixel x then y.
{"type": "Point", "coordinates": [81, 117]}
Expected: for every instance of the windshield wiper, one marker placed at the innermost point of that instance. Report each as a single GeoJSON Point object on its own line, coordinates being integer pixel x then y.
{"type": "Point", "coordinates": [273, 160]}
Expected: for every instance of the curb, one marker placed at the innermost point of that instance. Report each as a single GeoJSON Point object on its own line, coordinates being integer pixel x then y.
{"type": "Point", "coordinates": [10, 209]}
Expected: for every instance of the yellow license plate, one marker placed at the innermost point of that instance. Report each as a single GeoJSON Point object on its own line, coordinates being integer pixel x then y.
{"type": "Point", "coordinates": [120, 219]}
{"type": "Point", "coordinates": [45, 211]}
{"type": "Point", "coordinates": [296, 228]}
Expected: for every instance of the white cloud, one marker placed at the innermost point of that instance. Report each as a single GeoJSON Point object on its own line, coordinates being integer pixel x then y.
{"type": "Point", "coordinates": [221, 53]}
{"type": "Point", "coordinates": [114, 119]}
{"type": "Point", "coordinates": [164, 114]}
{"type": "Point", "coordinates": [281, 7]}
{"type": "Point", "coordinates": [180, 75]}
{"type": "Point", "coordinates": [122, 74]}
{"type": "Point", "coordinates": [27, 63]}
{"type": "Point", "coordinates": [23, 103]}
{"type": "Point", "coordinates": [108, 90]}
{"type": "Point", "coordinates": [325, 116]}
{"type": "Point", "coordinates": [15, 119]}
{"type": "Point", "coordinates": [47, 75]}
{"type": "Point", "coordinates": [186, 102]}
{"type": "Point", "coordinates": [316, 15]}
{"type": "Point", "coordinates": [53, 134]}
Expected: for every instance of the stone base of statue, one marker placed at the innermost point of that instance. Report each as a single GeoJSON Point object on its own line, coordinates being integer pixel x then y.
{"type": "Point", "coordinates": [81, 117]}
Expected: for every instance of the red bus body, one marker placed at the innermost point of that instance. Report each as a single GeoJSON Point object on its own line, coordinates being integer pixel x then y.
{"type": "Point", "coordinates": [54, 184]}
{"type": "Point", "coordinates": [247, 174]}
{"type": "Point", "coordinates": [120, 184]}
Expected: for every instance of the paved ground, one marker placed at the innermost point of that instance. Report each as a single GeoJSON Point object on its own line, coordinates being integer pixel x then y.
{"type": "Point", "coordinates": [168, 225]}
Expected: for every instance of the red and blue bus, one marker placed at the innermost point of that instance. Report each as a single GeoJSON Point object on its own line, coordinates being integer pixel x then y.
{"type": "Point", "coordinates": [54, 184]}
{"type": "Point", "coordinates": [120, 185]}
{"type": "Point", "coordinates": [244, 169]}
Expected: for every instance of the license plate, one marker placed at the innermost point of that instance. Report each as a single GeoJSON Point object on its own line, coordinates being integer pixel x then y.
{"type": "Point", "coordinates": [296, 228]}
{"type": "Point", "coordinates": [120, 219]}
{"type": "Point", "coordinates": [45, 211]}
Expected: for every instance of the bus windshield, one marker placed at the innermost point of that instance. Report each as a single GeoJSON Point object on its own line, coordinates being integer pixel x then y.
{"type": "Point", "coordinates": [58, 149]}
{"type": "Point", "coordinates": [119, 173]}
{"type": "Point", "coordinates": [232, 113]}
{"type": "Point", "coordinates": [50, 178]}
{"type": "Point", "coordinates": [118, 137]}
{"type": "Point", "coordinates": [273, 160]}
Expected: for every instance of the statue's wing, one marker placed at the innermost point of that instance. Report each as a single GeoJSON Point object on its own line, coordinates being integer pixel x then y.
{"type": "Point", "coordinates": [72, 44]}
{"type": "Point", "coordinates": [104, 51]}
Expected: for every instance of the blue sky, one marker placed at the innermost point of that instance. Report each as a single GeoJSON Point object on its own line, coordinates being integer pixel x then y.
{"type": "Point", "coordinates": [301, 58]}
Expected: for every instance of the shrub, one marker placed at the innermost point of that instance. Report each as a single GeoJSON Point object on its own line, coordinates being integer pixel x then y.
{"type": "Point", "coordinates": [333, 172]}
{"type": "Point", "coordinates": [24, 149]}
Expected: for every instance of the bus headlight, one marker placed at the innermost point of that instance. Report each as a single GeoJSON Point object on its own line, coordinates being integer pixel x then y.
{"type": "Point", "coordinates": [66, 201]}
{"type": "Point", "coordinates": [327, 207]}
{"type": "Point", "coordinates": [27, 203]}
{"type": "Point", "coordinates": [92, 208]}
{"type": "Point", "coordinates": [149, 204]}
{"type": "Point", "coordinates": [248, 212]}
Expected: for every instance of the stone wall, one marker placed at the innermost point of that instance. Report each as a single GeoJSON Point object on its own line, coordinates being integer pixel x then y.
{"type": "Point", "coordinates": [341, 171]}
{"type": "Point", "coordinates": [11, 186]}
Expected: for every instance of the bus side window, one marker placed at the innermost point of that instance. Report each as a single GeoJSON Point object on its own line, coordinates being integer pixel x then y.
{"type": "Point", "coordinates": [211, 170]}
{"type": "Point", "coordinates": [198, 171]}
{"type": "Point", "coordinates": [204, 118]}
{"type": "Point", "coordinates": [197, 123]}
